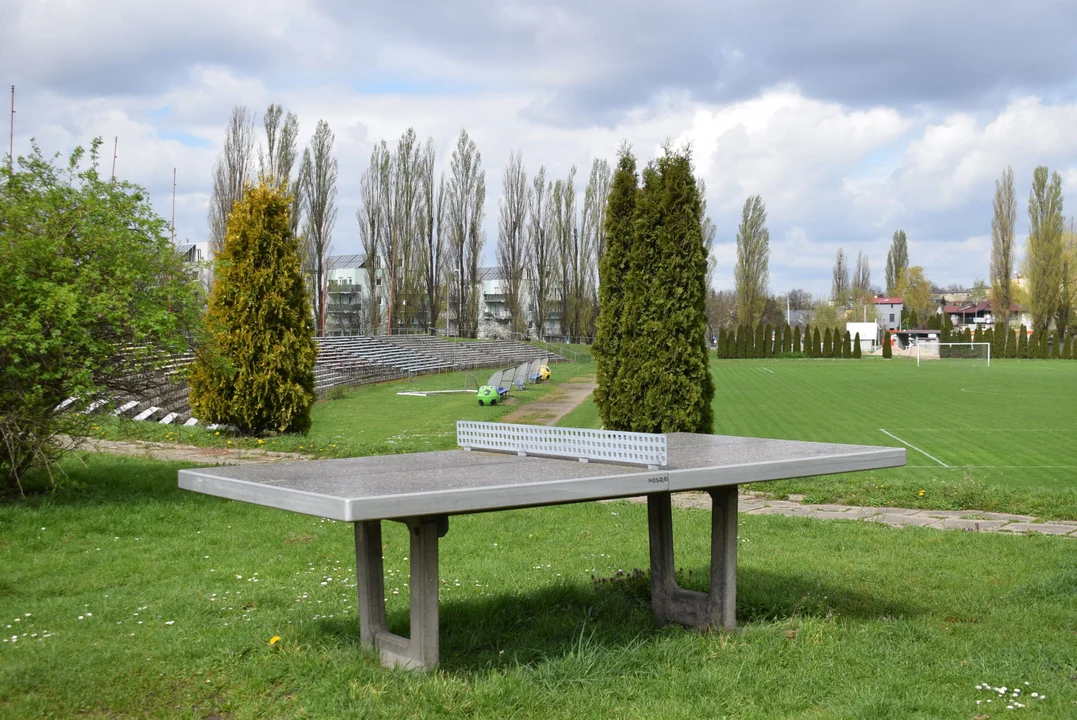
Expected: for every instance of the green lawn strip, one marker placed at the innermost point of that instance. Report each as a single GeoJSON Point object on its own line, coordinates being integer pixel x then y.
{"type": "Point", "coordinates": [838, 619]}
{"type": "Point", "coordinates": [368, 420]}
{"type": "Point", "coordinates": [585, 415]}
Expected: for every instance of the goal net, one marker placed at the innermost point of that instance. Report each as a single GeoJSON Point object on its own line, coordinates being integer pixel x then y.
{"type": "Point", "coordinates": [978, 352]}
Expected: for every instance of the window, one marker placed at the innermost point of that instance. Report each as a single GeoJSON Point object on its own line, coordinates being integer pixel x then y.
{"type": "Point", "coordinates": [891, 317]}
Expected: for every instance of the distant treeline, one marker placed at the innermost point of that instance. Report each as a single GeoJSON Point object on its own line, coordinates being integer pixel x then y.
{"type": "Point", "coordinates": [765, 341]}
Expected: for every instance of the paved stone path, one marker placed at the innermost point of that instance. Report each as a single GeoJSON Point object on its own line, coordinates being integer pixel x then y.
{"type": "Point", "coordinates": [968, 520]}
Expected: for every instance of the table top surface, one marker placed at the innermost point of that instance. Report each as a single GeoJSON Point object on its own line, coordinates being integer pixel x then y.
{"type": "Point", "coordinates": [457, 481]}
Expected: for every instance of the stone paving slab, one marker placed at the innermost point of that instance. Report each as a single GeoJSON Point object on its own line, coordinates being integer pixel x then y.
{"type": "Point", "coordinates": [966, 520]}
{"type": "Point", "coordinates": [1045, 528]}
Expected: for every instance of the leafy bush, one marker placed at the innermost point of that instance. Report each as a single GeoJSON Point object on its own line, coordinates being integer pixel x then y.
{"type": "Point", "coordinates": [94, 300]}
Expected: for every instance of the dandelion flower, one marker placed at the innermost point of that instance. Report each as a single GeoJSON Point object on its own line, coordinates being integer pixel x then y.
{"type": "Point", "coordinates": [274, 640]}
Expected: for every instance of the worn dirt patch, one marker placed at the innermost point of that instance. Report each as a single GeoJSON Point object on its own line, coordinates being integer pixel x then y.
{"type": "Point", "coordinates": [558, 402]}
{"type": "Point", "coordinates": [188, 453]}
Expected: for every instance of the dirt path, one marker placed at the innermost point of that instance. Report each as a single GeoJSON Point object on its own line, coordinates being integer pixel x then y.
{"type": "Point", "coordinates": [558, 402]}
{"type": "Point", "coordinates": [188, 453]}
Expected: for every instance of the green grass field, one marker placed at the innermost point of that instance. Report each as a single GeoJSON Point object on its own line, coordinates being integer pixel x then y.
{"type": "Point", "coordinates": [123, 596]}
{"type": "Point", "coordinates": [998, 438]}
{"type": "Point", "coordinates": [368, 420]}
{"type": "Point", "coordinates": [134, 598]}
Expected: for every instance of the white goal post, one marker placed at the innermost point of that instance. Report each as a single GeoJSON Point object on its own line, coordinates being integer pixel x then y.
{"type": "Point", "coordinates": [934, 350]}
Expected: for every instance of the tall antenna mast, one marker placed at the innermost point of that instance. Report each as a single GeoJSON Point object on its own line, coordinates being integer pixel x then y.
{"type": "Point", "coordinates": [115, 145]}
{"type": "Point", "coordinates": [11, 137]}
{"type": "Point", "coordinates": [173, 206]}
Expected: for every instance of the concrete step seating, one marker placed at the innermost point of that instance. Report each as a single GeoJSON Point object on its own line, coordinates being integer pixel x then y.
{"type": "Point", "coordinates": [475, 354]}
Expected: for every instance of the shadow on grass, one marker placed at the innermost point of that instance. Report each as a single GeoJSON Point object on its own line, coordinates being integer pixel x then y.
{"type": "Point", "coordinates": [556, 622]}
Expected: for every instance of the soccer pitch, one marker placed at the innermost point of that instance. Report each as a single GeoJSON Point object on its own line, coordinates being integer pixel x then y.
{"type": "Point", "coordinates": [1013, 423]}
{"type": "Point", "coordinates": [999, 438]}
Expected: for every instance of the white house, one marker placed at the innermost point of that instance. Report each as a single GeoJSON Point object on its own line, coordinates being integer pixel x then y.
{"type": "Point", "coordinates": [888, 312]}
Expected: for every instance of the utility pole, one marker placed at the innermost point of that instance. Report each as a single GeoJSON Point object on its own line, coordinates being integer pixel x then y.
{"type": "Point", "coordinates": [173, 206]}
{"type": "Point", "coordinates": [115, 145]}
{"type": "Point", "coordinates": [11, 137]}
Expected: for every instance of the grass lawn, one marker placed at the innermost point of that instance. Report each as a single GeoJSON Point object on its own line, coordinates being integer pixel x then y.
{"type": "Point", "coordinates": [999, 438]}
{"type": "Point", "coordinates": [135, 598]}
{"type": "Point", "coordinates": [369, 420]}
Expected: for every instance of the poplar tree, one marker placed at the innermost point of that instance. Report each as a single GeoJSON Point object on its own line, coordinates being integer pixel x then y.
{"type": "Point", "coordinates": [255, 369]}
{"type": "Point", "coordinates": [613, 269]}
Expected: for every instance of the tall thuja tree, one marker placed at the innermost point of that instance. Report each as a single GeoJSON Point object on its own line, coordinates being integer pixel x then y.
{"type": "Point", "coordinates": [817, 343]}
{"type": "Point", "coordinates": [255, 369]}
{"type": "Point", "coordinates": [847, 348]}
{"type": "Point", "coordinates": [796, 339]}
{"type": "Point", "coordinates": [664, 322]}
{"type": "Point", "coordinates": [887, 349]}
{"type": "Point", "coordinates": [1055, 347]}
{"type": "Point", "coordinates": [1022, 342]}
{"type": "Point", "coordinates": [809, 348]}
{"type": "Point", "coordinates": [998, 341]}
{"type": "Point", "coordinates": [613, 267]}
{"type": "Point", "coordinates": [828, 344]}
{"type": "Point", "coordinates": [721, 343]}
{"type": "Point", "coordinates": [768, 342]}
{"type": "Point", "coordinates": [857, 352]}
{"type": "Point", "coordinates": [742, 341]}
{"type": "Point", "coordinates": [760, 341]}
{"type": "Point", "coordinates": [1042, 352]}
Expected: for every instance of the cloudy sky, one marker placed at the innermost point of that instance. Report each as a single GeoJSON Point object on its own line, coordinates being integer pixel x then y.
{"type": "Point", "coordinates": [852, 118]}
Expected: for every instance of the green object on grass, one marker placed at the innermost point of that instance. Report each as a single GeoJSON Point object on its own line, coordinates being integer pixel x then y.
{"type": "Point", "coordinates": [487, 395]}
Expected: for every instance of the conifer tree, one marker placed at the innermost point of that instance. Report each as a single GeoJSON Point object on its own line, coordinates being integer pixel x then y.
{"type": "Point", "coordinates": [613, 268]}
{"type": "Point", "coordinates": [255, 369]}
{"type": "Point", "coordinates": [663, 383]}
{"type": "Point", "coordinates": [1042, 353]}
{"type": "Point", "coordinates": [847, 349]}
{"type": "Point", "coordinates": [1012, 351]}
{"type": "Point", "coordinates": [857, 353]}
{"type": "Point", "coordinates": [888, 351]}
{"type": "Point", "coordinates": [1055, 350]}
{"type": "Point", "coordinates": [1071, 354]}
{"type": "Point", "coordinates": [742, 342]}
{"type": "Point", "coordinates": [721, 343]}
{"type": "Point", "coordinates": [828, 346]}
{"type": "Point", "coordinates": [816, 343]}
{"type": "Point", "coordinates": [768, 342]}
{"type": "Point", "coordinates": [796, 339]}
{"type": "Point", "coordinates": [1022, 342]}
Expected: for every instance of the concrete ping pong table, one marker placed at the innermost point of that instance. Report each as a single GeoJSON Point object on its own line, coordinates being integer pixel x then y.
{"type": "Point", "coordinates": [502, 466]}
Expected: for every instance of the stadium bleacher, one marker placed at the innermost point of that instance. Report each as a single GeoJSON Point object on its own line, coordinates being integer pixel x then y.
{"type": "Point", "coordinates": [343, 361]}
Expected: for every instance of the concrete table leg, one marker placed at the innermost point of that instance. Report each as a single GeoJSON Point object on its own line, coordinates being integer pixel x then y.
{"type": "Point", "coordinates": [420, 651]}
{"type": "Point", "coordinates": [716, 608]}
